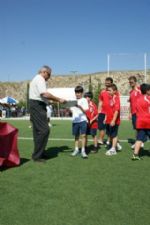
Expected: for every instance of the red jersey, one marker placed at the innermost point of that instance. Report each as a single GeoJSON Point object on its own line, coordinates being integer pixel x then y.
{"type": "Point", "coordinates": [134, 95]}
{"type": "Point", "coordinates": [114, 105]}
{"type": "Point", "coordinates": [91, 113]}
{"type": "Point", "coordinates": [143, 112]}
{"type": "Point", "coordinates": [104, 98]}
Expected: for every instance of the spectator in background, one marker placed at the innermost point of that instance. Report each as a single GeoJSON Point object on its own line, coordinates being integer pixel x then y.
{"type": "Point", "coordinates": [49, 113]}
{"type": "Point", "coordinates": [1, 109]}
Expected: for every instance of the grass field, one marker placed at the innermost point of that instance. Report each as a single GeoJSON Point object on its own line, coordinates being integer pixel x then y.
{"type": "Point", "coordinates": [101, 190]}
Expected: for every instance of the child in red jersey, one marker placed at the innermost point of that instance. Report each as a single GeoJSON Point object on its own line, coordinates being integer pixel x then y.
{"type": "Point", "coordinates": [102, 108]}
{"type": "Point", "coordinates": [113, 118]}
{"type": "Point", "coordinates": [134, 94]}
{"type": "Point", "coordinates": [143, 119]}
{"type": "Point", "coordinates": [92, 115]}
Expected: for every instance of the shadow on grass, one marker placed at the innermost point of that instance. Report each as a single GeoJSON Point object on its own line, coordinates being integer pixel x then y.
{"type": "Point", "coordinates": [145, 152]}
{"type": "Point", "coordinates": [22, 161]}
{"type": "Point", "coordinates": [53, 152]}
{"type": "Point", "coordinates": [90, 148]}
{"type": "Point", "coordinates": [131, 141]}
{"type": "Point", "coordinates": [54, 125]}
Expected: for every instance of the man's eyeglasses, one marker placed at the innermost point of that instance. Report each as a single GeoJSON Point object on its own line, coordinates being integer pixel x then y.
{"type": "Point", "coordinates": [48, 74]}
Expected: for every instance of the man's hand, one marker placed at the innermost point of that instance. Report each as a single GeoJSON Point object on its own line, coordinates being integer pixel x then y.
{"type": "Point", "coordinates": [61, 100]}
{"type": "Point", "coordinates": [91, 121]}
{"type": "Point", "coordinates": [112, 123]}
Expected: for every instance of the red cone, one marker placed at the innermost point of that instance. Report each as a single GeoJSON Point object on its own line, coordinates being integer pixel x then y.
{"type": "Point", "coordinates": [9, 154]}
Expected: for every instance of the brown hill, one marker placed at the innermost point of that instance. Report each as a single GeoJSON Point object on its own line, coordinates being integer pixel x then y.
{"type": "Point", "coordinates": [18, 90]}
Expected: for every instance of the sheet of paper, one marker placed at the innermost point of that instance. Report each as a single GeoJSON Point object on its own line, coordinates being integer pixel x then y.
{"type": "Point", "coordinates": [65, 93]}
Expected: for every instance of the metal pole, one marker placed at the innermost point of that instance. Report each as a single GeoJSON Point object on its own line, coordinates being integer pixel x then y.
{"type": "Point", "coordinates": [58, 109]}
{"type": "Point", "coordinates": [145, 69]}
{"type": "Point", "coordinates": [108, 64]}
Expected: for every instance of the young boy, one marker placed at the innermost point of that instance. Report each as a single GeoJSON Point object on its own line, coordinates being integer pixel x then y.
{"type": "Point", "coordinates": [79, 125]}
{"type": "Point", "coordinates": [113, 119]}
{"type": "Point", "coordinates": [102, 108]}
{"type": "Point", "coordinates": [134, 95]}
{"type": "Point", "coordinates": [143, 119]}
{"type": "Point", "coordinates": [92, 115]}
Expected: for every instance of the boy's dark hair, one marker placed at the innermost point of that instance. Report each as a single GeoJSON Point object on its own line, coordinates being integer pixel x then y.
{"type": "Point", "coordinates": [79, 89]}
{"type": "Point", "coordinates": [114, 87]}
{"type": "Point", "coordinates": [144, 88]}
{"type": "Point", "coordinates": [148, 87]}
{"type": "Point", "coordinates": [109, 79]}
{"type": "Point", "coordinates": [88, 94]}
{"type": "Point", "coordinates": [133, 78]}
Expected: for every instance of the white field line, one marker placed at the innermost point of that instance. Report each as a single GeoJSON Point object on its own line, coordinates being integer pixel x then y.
{"type": "Point", "coordinates": [60, 139]}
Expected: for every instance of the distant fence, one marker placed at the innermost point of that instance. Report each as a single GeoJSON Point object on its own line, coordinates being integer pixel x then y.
{"type": "Point", "coordinates": [124, 107]}
{"type": "Point", "coordinates": [124, 111]}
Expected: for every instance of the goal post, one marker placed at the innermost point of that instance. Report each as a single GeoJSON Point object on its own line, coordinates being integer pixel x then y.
{"type": "Point", "coordinates": [127, 62]}
{"type": "Point", "coordinates": [120, 66]}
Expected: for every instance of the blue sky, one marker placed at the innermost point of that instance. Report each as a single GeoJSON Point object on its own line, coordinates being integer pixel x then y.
{"type": "Point", "coordinates": [71, 35]}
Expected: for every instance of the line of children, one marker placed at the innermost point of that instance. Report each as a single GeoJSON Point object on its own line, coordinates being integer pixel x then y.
{"type": "Point", "coordinates": [85, 120]}
{"type": "Point", "coordinates": [85, 115]}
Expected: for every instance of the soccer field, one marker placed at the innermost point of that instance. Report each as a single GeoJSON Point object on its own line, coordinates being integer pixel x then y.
{"type": "Point", "coordinates": [101, 190]}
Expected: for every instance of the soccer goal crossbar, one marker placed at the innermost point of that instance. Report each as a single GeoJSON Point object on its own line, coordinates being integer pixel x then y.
{"type": "Point", "coordinates": [127, 61]}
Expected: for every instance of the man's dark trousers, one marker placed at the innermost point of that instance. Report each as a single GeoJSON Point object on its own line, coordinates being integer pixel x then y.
{"type": "Point", "coordinates": [38, 117]}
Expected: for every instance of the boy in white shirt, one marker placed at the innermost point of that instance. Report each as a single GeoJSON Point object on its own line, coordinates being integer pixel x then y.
{"type": "Point", "coordinates": [79, 123]}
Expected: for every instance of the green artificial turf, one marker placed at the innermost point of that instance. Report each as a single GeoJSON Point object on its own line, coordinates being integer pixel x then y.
{"type": "Point", "coordinates": [101, 190]}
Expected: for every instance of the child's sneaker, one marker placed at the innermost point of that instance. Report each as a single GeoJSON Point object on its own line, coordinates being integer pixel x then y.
{"type": "Point", "coordinates": [136, 157]}
{"type": "Point", "coordinates": [119, 147]}
{"type": "Point", "coordinates": [100, 142]}
{"type": "Point", "coordinates": [107, 143]}
{"type": "Point", "coordinates": [111, 152]}
{"type": "Point", "coordinates": [142, 145]}
{"type": "Point", "coordinates": [75, 152]}
{"type": "Point", "coordinates": [84, 155]}
{"type": "Point", "coordinates": [132, 146]}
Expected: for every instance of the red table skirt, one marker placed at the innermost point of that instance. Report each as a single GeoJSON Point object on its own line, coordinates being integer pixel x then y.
{"type": "Point", "coordinates": [9, 154]}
